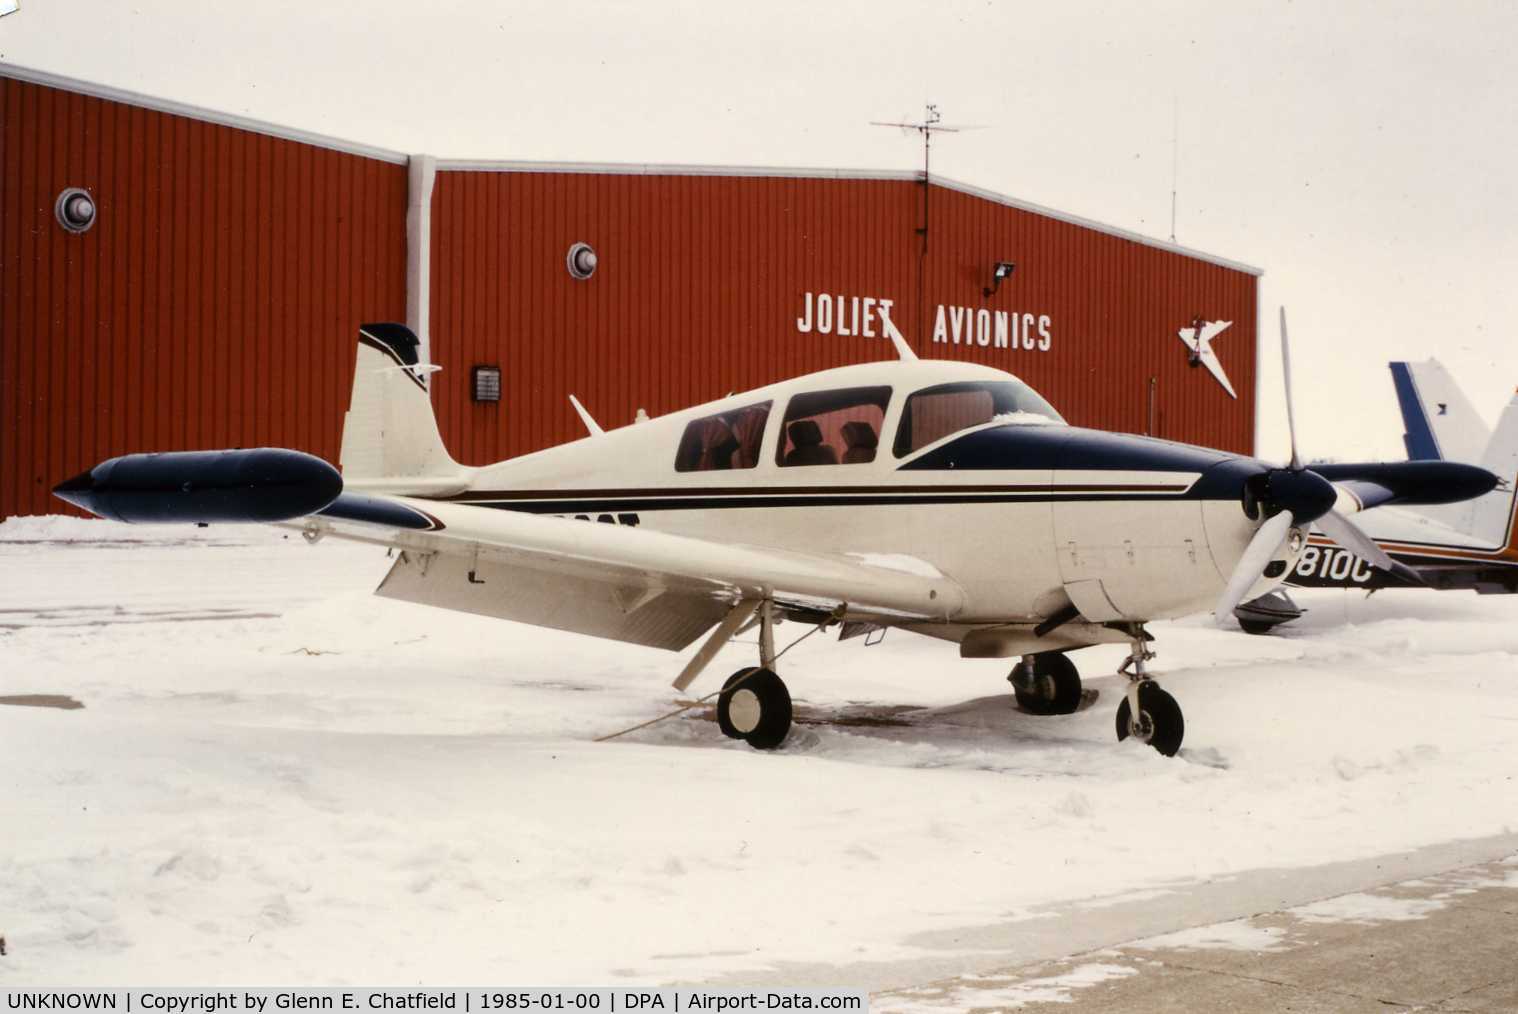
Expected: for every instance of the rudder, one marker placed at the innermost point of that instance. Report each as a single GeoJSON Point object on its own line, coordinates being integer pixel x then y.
{"type": "Point", "coordinates": [1492, 516]}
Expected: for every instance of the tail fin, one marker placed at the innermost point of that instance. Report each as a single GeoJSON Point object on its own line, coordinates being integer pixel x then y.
{"type": "Point", "coordinates": [390, 435]}
{"type": "Point", "coordinates": [1440, 420]}
{"type": "Point", "coordinates": [1491, 516]}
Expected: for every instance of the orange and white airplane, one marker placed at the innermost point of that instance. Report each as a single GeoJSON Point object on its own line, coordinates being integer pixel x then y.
{"type": "Point", "coordinates": [942, 498]}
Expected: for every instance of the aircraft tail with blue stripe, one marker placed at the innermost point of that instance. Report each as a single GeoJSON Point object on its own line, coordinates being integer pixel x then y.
{"type": "Point", "coordinates": [1441, 424]}
{"type": "Point", "coordinates": [1440, 421]}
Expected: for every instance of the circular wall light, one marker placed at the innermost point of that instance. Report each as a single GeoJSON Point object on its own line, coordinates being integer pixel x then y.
{"type": "Point", "coordinates": [75, 209]}
{"type": "Point", "coordinates": [581, 261]}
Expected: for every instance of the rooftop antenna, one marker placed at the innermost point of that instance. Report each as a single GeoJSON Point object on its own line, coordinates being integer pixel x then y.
{"type": "Point", "coordinates": [930, 124]}
{"type": "Point", "coordinates": [1175, 156]}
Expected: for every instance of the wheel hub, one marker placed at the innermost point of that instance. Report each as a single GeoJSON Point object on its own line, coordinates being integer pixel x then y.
{"type": "Point", "coordinates": [743, 711]}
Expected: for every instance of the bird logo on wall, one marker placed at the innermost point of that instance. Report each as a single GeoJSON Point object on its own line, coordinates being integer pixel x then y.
{"type": "Point", "coordinates": [1198, 338]}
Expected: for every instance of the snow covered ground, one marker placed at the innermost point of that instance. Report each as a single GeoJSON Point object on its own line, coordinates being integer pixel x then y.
{"type": "Point", "coordinates": [277, 778]}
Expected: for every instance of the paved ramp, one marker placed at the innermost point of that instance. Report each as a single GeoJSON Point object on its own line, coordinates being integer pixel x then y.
{"type": "Point", "coordinates": [1440, 943]}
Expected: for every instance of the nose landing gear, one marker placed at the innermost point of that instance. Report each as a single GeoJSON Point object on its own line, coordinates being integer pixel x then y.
{"type": "Point", "coordinates": [1148, 713]}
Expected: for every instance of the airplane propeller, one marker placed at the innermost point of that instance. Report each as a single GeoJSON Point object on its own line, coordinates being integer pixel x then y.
{"type": "Point", "coordinates": [1295, 497]}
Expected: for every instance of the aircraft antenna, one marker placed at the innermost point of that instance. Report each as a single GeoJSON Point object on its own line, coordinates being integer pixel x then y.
{"type": "Point", "coordinates": [1175, 157]}
{"type": "Point", "coordinates": [586, 418]}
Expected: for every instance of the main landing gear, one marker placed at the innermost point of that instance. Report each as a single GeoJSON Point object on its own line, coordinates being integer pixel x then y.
{"type": "Point", "coordinates": [1147, 712]}
{"type": "Point", "coordinates": [1046, 684]}
{"type": "Point", "coordinates": [754, 704]}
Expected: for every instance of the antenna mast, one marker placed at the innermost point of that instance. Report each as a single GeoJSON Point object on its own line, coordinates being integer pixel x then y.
{"type": "Point", "coordinates": [1175, 157]}
{"type": "Point", "coordinates": [931, 123]}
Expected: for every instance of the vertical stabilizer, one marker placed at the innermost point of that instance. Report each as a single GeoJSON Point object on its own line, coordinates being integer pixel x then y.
{"type": "Point", "coordinates": [390, 434]}
{"type": "Point", "coordinates": [1439, 420]}
{"type": "Point", "coordinates": [1491, 516]}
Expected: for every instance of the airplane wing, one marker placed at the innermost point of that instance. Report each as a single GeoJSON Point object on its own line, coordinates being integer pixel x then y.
{"type": "Point", "coordinates": [610, 580]}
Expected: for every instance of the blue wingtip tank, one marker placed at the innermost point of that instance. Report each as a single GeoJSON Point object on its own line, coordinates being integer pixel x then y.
{"type": "Point", "coordinates": [249, 486]}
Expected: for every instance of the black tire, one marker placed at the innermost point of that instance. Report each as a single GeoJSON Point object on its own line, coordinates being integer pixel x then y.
{"type": "Point", "coordinates": [1056, 688]}
{"type": "Point", "coordinates": [724, 722]}
{"type": "Point", "coordinates": [1166, 726]}
{"type": "Point", "coordinates": [1256, 627]}
{"type": "Point", "coordinates": [756, 706]}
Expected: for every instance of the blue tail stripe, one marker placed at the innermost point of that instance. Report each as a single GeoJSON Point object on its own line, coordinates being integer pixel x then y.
{"type": "Point", "coordinates": [1419, 438]}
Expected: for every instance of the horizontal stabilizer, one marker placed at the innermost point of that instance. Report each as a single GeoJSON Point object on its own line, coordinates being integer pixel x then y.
{"type": "Point", "coordinates": [377, 510]}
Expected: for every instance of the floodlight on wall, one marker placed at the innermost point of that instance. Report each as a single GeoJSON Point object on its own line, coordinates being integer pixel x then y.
{"type": "Point", "coordinates": [1002, 271]}
{"type": "Point", "coordinates": [485, 383]}
{"type": "Point", "coordinates": [581, 261]}
{"type": "Point", "coordinates": [75, 210]}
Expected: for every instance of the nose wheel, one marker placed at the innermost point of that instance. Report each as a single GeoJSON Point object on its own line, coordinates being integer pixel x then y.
{"type": "Point", "coordinates": [1146, 712]}
{"type": "Point", "coordinates": [1159, 721]}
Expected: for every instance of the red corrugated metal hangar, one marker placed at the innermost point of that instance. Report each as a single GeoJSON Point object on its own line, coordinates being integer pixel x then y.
{"type": "Point", "coordinates": [175, 278]}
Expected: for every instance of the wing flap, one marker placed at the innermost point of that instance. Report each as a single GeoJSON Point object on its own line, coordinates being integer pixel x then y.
{"type": "Point", "coordinates": [622, 611]}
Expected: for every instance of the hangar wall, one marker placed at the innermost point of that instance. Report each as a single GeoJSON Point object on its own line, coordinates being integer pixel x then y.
{"type": "Point", "coordinates": [703, 274]}
{"type": "Point", "coordinates": [215, 301]}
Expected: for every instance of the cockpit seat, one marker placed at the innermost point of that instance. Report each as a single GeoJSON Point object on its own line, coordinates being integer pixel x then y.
{"type": "Point", "coordinates": [861, 439]}
{"type": "Point", "coordinates": [807, 447]}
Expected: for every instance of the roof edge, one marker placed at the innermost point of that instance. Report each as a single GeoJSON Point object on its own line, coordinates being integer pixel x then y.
{"type": "Point", "coordinates": [1088, 223]}
{"type": "Point", "coordinates": [50, 80]}
{"type": "Point", "coordinates": [775, 172]}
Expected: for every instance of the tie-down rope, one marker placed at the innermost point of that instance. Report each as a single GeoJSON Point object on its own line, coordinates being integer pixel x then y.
{"type": "Point", "coordinates": [700, 701]}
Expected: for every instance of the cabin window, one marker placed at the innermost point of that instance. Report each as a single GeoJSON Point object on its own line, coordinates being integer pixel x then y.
{"type": "Point", "coordinates": [723, 441]}
{"type": "Point", "coordinates": [935, 412]}
{"type": "Point", "coordinates": [833, 427]}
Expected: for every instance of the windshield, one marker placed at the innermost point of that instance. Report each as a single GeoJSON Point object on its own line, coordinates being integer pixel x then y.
{"type": "Point", "coordinates": [935, 412]}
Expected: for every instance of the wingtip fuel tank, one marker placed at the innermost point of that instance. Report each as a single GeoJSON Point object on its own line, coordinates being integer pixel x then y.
{"type": "Point", "coordinates": [255, 485]}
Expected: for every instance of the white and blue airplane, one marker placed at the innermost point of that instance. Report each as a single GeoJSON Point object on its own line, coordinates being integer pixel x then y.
{"type": "Point", "coordinates": [942, 498]}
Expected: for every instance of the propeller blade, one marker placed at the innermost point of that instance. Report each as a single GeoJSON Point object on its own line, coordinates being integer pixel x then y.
{"type": "Point", "coordinates": [1347, 534]}
{"type": "Point", "coordinates": [1267, 541]}
{"type": "Point", "coordinates": [1291, 420]}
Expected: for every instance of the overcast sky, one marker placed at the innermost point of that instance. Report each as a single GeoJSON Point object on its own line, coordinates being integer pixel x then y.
{"type": "Point", "coordinates": [1363, 154]}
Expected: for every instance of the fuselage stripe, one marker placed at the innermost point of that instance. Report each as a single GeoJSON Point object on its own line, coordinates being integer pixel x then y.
{"type": "Point", "coordinates": [565, 503]}
{"type": "Point", "coordinates": [707, 492]}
